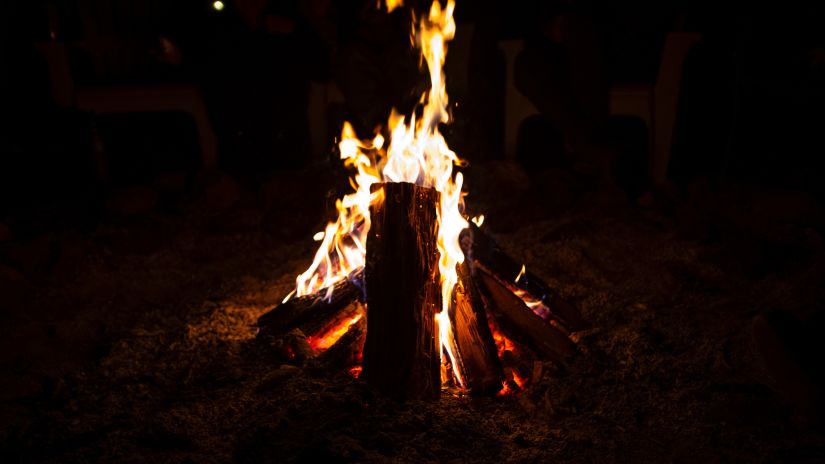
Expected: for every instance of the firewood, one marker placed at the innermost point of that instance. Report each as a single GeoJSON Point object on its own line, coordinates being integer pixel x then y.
{"type": "Point", "coordinates": [401, 356]}
{"type": "Point", "coordinates": [345, 352]}
{"type": "Point", "coordinates": [301, 348]}
{"type": "Point", "coordinates": [476, 348]}
{"type": "Point", "coordinates": [486, 253]}
{"type": "Point", "coordinates": [519, 322]}
{"type": "Point", "coordinates": [316, 327]}
{"type": "Point", "coordinates": [302, 311]}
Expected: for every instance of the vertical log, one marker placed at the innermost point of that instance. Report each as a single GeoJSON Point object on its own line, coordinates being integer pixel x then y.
{"type": "Point", "coordinates": [401, 356]}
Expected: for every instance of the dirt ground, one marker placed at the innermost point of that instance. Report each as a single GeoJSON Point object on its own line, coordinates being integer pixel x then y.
{"type": "Point", "coordinates": [128, 342]}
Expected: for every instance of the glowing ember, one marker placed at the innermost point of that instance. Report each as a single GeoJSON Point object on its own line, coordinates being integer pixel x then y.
{"type": "Point", "coordinates": [478, 220]}
{"type": "Point", "coordinates": [322, 341]}
{"type": "Point", "coordinates": [520, 381]}
{"type": "Point", "coordinates": [417, 153]}
{"type": "Point", "coordinates": [355, 372]}
{"type": "Point", "coordinates": [502, 342]}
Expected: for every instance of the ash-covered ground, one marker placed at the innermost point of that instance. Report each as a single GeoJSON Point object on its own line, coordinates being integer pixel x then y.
{"type": "Point", "coordinates": [129, 341]}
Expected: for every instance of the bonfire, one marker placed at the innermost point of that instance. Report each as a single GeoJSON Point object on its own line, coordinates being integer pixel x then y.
{"type": "Point", "coordinates": [405, 291]}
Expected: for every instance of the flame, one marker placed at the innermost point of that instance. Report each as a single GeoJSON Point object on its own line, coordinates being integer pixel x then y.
{"type": "Point", "coordinates": [342, 249]}
{"type": "Point", "coordinates": [502, 342]}
{"type": "Point", "coordinates": [327, 338]}
{"type": "Point", "coordinates": [520, 381]}
{"type": "Point", "coordinates": [521, 273]}
{"type": "Point", "coordinates": [478, 220]}
{"type": "Point", "coordinates": [535, 304]}
{"type": "Point", "coordinates": [417, 153]}
{"type": "Point", "coordinates": [392, 5]}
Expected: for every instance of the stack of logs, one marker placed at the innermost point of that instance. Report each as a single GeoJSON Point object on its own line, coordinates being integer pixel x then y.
{"type": "Point", "coordinates": [400, 290]}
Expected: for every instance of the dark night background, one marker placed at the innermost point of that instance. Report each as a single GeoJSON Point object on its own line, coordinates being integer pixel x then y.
{"type": "Point", "coordinates": [137, 247]}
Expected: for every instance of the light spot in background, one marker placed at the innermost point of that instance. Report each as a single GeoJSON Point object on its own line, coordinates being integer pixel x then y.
{"type": "Point", "coordinates": [218, 5]}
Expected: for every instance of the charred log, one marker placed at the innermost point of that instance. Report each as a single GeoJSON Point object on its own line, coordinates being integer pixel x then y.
{"type": "Point", "coordinates": [346, 352]}
{"type": "Point", "coordinates": [476, 348]}
{"type": "Point", "coordinates": [401, 356]}
{"type": "Point", "coordinates": [301, 349]}
{"type": "Point", "coordinates": [517, 321]}
{"type": "Point", "coordinates": [486, 253]}
{"type": "Point", "coordinates": [310, 311]}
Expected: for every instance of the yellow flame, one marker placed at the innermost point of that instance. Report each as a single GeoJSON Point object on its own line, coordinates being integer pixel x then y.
{"type": "Point", "coordinates": [393, 4]}
{"type": "Point", "coordinates": [478, 220]}
{"type": "Point", "coordinates": [417, 153]}
{"type": "Point", "coordinates": [521, 273]}
{"type": "Point", "coordinates": [323, 341]}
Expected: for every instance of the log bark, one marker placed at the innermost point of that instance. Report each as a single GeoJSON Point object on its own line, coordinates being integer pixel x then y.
{"type": "Point", "coordinates": [486, 252]}
{"type": "Point", "coordinates": [476, 347]}
{"type": "Point", "coordinates": [401, 356]}
{"type": "Point", "coordinates": [311, 311]}
{"type": "Point", "coordinates": [518, 322]}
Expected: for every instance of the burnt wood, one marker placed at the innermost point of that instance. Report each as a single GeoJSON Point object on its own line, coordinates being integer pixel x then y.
{"type": "Point", "coordinates": [474, 341]}
{"type": "Point", "coordinates": [486, 253]}
{"type": "Point", "coordinates": [310, 311]}
{"type": "Point", "coordinates": [401, 356]}
{"type": "Point", "coordinates": [301, 349]}
{"type": "Point", "coordinates": [518, 322]}
{"type": "Point", "coordinates": [346, 352]}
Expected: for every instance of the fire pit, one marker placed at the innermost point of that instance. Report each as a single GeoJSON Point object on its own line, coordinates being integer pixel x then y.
{"type": "Point", "coordinates": [404, 290]}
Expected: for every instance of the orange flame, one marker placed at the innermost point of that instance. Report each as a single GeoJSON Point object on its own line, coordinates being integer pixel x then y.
{"type": "Point", "coordinates": [327, 338]}
{"type": "Point", "coordinates": [392, 5]}
{"type": "Point", "coordinates": [417, 153]}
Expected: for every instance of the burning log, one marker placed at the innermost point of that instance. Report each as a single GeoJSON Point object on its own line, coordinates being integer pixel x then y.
{"type": "Point", "coordinates": [401, 355]}
{"type": "Point", "coordinates": [311, 311]}
{"type": "Point", "coordinates": [487, 254]}
{"type": "Point", "coordinates": [518, 321]}
{"type": "Point", "coordinates": [476, 347]}
{"type": "Point", "coordinates": [346, 352]}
